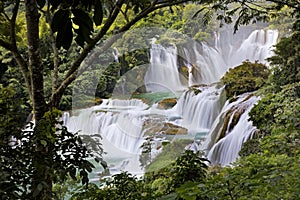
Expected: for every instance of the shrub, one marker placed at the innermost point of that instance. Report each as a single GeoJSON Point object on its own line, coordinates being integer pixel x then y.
{"type": "Point", "coordinates": [246, 77]}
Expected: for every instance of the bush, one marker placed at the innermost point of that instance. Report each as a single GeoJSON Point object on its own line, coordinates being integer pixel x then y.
{"type": "Point", "coordinates": [246, 77]}
{"type": "Point", "coordinates": [286, 62]}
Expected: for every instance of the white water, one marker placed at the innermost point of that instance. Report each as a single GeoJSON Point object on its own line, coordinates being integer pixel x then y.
{"type": "Point", "coordinates": [162, 74]}
{"type": "Point", "coordinates": [209, 63]}
{"type": "Point", "coordinates": [120, 122]}
{"type": "Point", "coordinates": [120, 128]}
{"type": "Point", "coordinates": [225, 150]}
{"type": "Point", "coordinates": [198, 112]}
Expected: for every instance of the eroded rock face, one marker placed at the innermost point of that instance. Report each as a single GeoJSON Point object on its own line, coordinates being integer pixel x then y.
{"type": "Point", "coordinates": [172, 129]}
{"type": "Point", "coordinates": [157, 125]}
{"type": "Point", "coordinates": [167, 103]}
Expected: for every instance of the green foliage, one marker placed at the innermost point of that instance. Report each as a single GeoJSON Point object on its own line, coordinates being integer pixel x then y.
{"type": "Point", "coordinates": [14, 168]}
{"type": "Point", "coordinates": [169, 153]}
{"type": "Point", "coordinates": [248, 11]}
{"type": "Point", "coordinates": [278, 110]}
{"type": "Point", "coordinates": [177, 177]}
{"type": "Point", "coordinates": [168, 183]}
{"type": "Point", "coordinates": [83, 14]}
{"type": "Point", "coordinates": [120, 186]}
{"type": "Point", "coordinates": [189, 167]}
{"type": "Point", "coordinates": [46, 151]}
{"type": "Point", "coordinates": [256, 177]}
{"type": "Point", "coordinates": [286, 62]}
{"type": "Point", "coordinates": [283, 22]}
{"type": "Point", "coordinates": [246, 77]}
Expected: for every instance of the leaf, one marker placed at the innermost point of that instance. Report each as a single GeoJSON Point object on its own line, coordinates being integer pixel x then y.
{"type": "Point", "coordinates": [38, 189]}
{"type": "Point", "coordinates": [98, 13]}
{"type": "Point", "coordinates": [198, 12]}
{"type": "Point", "coordinates": [171, 196]}
{"type": "Point", "coordinates": [41, 3]}
{"type": "Point", "coordinates": [104, 164]}
{"type": "Point", "coordinates": [85, 24]}
{"type": "Point", "coordinates": [65, 35]}
{"type": "Point", "coordinates": [82, 19]}
{"type": "Point", "coordinates": [59, 19]}
{"type": "Point", "coordinates": [72, 172]}
{"type": "Point", "coordinates": [44, 142]}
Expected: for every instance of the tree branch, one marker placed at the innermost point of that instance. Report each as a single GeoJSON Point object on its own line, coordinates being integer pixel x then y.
{"type": "Point", "coordinates": [15, 51]}
{"type": "Point", "coordinates": [55, 51]}
{"type": "Point", "coordinates": [72, 73]}
{"type": "Point", "coordinates": [295, 6]}
{"type": "Point", "coordinates": [6, 45]}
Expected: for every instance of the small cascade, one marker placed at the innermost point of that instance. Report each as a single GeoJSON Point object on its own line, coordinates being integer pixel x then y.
{"type": "Point", "coordinates": [257, 47]}
{"type": "Point", "coordinates": [162, 74]}
{"type": "Point", "coordinates": [116, 120]}
{"type": "Point", "coordinates": [135, 104]}
{"type": "Point", "coordinates": [198, 107]}
{"type": "Point", "coordinates": [230, 130]}
{"type": "Point", "coordinates": [120, 126]}
{"type": "Point", "coordinates": [208, 63]}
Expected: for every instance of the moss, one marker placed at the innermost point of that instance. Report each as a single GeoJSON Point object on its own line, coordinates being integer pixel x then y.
{"type": "Point", "coordinates": [167, 103]}
{"type": "Point", "coordinates": [246, 77]}
{"type": "Point", "coordinates": [168, 155]}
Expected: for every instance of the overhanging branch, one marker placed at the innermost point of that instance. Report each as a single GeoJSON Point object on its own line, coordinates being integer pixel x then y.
{"type": "Point", "coordinates": [72, 73]}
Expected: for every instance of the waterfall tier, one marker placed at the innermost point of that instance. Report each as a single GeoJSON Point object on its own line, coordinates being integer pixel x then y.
{"type": "Point", "coordinates": [230, 130]}
{"type": "Point", "coordinates": [162, 74]}
{"type": "Point", "coordinates": [198, 107]}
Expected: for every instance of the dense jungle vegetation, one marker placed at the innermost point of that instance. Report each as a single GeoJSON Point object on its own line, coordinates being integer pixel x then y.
{"type": "Point", "coordinates": [43, 45]}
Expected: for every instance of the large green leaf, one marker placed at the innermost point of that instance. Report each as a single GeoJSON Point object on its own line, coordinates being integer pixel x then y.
{"type": "Point", "coordinates": [98, 13]}
{"type": "Point", "coordinates": [83, 20]}
{"type": "Point", "coordinates": [65, 35]}
{"type": "Point", "coordinates": [59, 19]}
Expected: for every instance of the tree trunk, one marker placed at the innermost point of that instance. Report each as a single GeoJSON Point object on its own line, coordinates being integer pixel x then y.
{"type": "Point", "coordinates": [40, 178]}
{"type": "Point", "coordinates": [35, 63]}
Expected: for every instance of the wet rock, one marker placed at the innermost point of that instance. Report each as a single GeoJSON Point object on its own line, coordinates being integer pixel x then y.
{"type": "Point", "coordinates": [172, 129]}
{"type": "Point", "coordinates": [167, 103]}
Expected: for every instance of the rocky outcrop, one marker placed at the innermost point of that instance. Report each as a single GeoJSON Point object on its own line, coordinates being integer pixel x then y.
{"type": "Point", "coordinates": [167, 103]}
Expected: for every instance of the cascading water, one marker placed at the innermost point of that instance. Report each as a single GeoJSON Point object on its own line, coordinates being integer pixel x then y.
{"type": "Point", "coordinates": [198, 107]}
{"type": "Point", "coordinates": [209, 63]}
{"type": "Point", "coordinates": [121, 123]}
{"type": "Point", "coordinates": [257, 47]}
{"type": "Point", "coordinates": [230, 131]}
{"type": "Point", "coordinates": [162, 74]}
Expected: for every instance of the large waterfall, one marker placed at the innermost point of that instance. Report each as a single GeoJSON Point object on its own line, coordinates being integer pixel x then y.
{"type": "Point", "coordinates": [162, 74]}
{"type": "Point", "coordinates": [200, 108]}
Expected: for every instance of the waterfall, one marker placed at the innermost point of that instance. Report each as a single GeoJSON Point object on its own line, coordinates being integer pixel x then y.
{"type": "Point", "coordinates": [119, 125]}
{"type": "Point", "coordinates": [230, 130]}
{"type": "Point", "coordinates": [257, 47]}
{"type": "Point", "coordinates": [198, 107]}
{"type": "Point", "coordinates": [162, 74]}
{"type": "Point", "coordinates": [208, 63]}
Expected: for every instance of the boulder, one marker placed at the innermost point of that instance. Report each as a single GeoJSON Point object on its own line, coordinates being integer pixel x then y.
{"type": "Point", "coordinates": [167, 103]}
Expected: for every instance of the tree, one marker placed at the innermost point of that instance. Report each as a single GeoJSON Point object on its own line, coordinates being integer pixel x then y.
{"type": "Point", "coordinates": [33, 159]}
{"type": "Point", "coordinates": [66, 18]}
{"type": "Point", "coordinates": [286, 62]}
{"type": "Point", "coordinates": [248, 11]}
